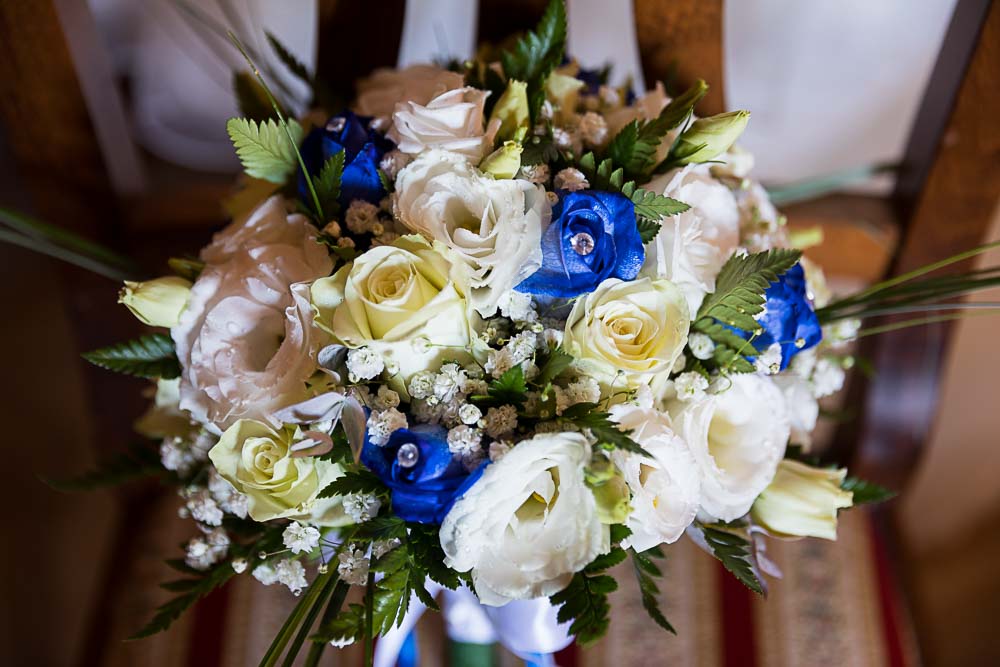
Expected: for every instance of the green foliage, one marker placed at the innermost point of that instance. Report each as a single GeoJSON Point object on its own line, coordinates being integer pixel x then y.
{"type": "Point", "coordinates": [557, 361]}
{"type": "Point", "coordinates": [508, 389]}
{"type": "Point", "coordinates": [199, 584]}
{"type": "Point", "coordinates": [406, 568]}
{"type": "Point", "coordinates": [585, 600]}
{"type": "Point", "coordinates": [738, 296]}
{"type": "Point", "coordinates": [866, 492]}
{"type": "Point", "coordinates": [348, 624]}
{"type": "Point", "coordinates": [150, 356]}
{"type": "Point", "coordinates": [537, 53]}
{"type": "Point", "coordinates": [288, 59]}
{"type": "Point", "coordinates": [265, 149]}
{"type": "Point", "coordinates": [250, 97]}
{"type": "Point", "coordinates": [425, 545]}
{"type": "Point", "coordinates": [733, 551]}
{"type": "Point", "coordinates": [651, 206]}
{"type": "Point", "coordinates": [646, 572]}
{"type": "Point", "coordinates": [607, 432]}
{"type": "Point", "coordinates": [140, 460]}
{"type": "Point", "coordinates": [647, 229]}
{"type": "Point", "coordinates": [327, 183]}
{"type": "Point", "coordinates": [354, 481]}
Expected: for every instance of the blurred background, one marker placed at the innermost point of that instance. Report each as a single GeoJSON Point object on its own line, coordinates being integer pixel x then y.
{"type": "Point", "coordinates": [873, 122]}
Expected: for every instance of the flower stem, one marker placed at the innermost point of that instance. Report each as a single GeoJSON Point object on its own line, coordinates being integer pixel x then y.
{"type": "Point", "coordinates": [369, 638]}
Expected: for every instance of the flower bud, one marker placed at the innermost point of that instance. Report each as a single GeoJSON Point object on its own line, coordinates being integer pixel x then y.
{"type": "Point", "coordinates": [707, 138]}
{"type": "Point", "coordinates": [612, 498]}
{"type": "Point", "coordinates": [159, 302]}
{"type": "Point", "coordinates": [563, 90]}
{"type": "Point", "coordinates": [512, 110]}
{"type": "Point", "coordinates": [802, 501]}
{"type": "Point", "coordinates": [504, 162]}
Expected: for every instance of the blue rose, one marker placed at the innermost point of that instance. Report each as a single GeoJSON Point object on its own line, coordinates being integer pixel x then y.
{"type": "Point", "coordinates": [593, 236]}
{"type": "Point", "coordinates": [363, 150]}
{"type": "Point", "coordinates": [426, 478]}
{"type": "Point", "coordinates": [788, 316]}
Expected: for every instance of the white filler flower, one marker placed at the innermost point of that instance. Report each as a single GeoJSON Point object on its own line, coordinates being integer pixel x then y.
{"type": "Point", "coordinates": [737, 437]}
{"type": "Point", "coordinates": [528, 524]}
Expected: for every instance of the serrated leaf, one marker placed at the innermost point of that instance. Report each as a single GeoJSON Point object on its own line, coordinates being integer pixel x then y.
{"type": "Point", "coordinates": [619, 532]}
{"type": "Point", "coordinates": [288, 59]}
{"type": "Point", "coordinates": [354, 481]}
{"type": "Point", "coordinates": [866, 492]}
{"type": "Point", "coordinates": [651, 205]}
{"type": "Point", "coordinates": [733, 551]}
{"type": "Point", "coordinates": [150, 356]}
{"type": "Point", "coordinates": [557, 361]}
{"type": "Point", "coordinates": [606, 561]}
{"type": "Point", "coordinates": [382, 528]}
{"type": "Point", "coordinates": [251, 99]}
{"type": "Point", "coordinates": [348, 624]}
{"type": "Point", "coordinates": [265, 148]}
{"type": "Point", "coordinates": [509, 389]}
{"type": "Point", "coordinates": [141, 460]}
{"type": "Point", "coordinates": [537, 53]}
{"type": "Point", "coordinates": [327, 183]}
{"type": "Point", "coordinates": [585, 602]}
{"type": "Point", "coordinates": [648, 229]}
{"type": "Point", "coordinates": [605, 431]}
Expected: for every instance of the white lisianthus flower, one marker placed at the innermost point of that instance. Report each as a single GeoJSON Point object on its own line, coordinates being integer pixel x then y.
{"type": "Point", "coordinates": [691, 247]}
{"type": "Point", "coordinates": [493, 226]}
{"type": "Point", "coordinates": [452, 121]}
{"type": "Point", "coordinates": [737, 437]}
{"type": "Point", "coordinates": [638, 327]}
{"type": "Point", "coordinates": [529, 523]}
{"type": "Point", "coordinates": [666, 490]}
{"type": "Point", "coordinates": [246, 340]}
{"type": "Point", "coordinates": [379, 93]}
{"type": "Point", "coordinates": [260, 463]}
{"type": "Point", "coordinates": [389, 297]}
{"type": "Point", "coordinates": [801, 405]}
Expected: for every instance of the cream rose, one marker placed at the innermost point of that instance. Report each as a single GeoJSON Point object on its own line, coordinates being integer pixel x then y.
{"type": "Point", "coordinates": [246, 340]}
{"type": "Point", "coordinates": [737, 437]}
{"type": "Point", "coordinates": [692, 246]}
{"type": "Point", "coordinates": [379, 94]}
{"type": "Point", "coordinates": [666, 489]}
{"type": "Point", "coordinates": [639, 327]}
{"type": "Point", "coordinates": [258, 461]}
{"type": "Point", "coordinates": [528, 524]}
{"type": "Point", "coordinates": [452, 121]}
{"type": "Point", "coordinates": [494, 226]}
{"type": "Point", "coordinates": [401, 301]}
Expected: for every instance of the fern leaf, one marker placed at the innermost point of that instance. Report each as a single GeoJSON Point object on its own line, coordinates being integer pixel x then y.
{"type": "Point", "coordinates": [327, 183]}
{"type": "Point", "coordinates": [537, 53]}
{"type": "Point", "coordinates": [265, 148]}
{"type": "Point", "coordinates": [733, 551]}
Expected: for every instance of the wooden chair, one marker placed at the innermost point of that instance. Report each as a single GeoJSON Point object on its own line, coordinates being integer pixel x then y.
{"type": "Point", "coordinates": [49, 117]}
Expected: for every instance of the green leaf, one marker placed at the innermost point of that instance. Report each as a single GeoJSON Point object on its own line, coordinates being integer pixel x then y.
{"type": "Point", "coordinates": [537, 53]}
{"type": "Point", "coordinates": [425, 545]}
{"type": "Point", "coordinates": [288, 59]}
{"type": "Point", "coordinates": [557, 361]}
{"type": "Point", "coordinates": [650, 205]}
{"type": "Point", "coordinates": [327, 183]}
{"type": "Point", "coordinates": [250, 97]}
{"type": "Point", "coordinates": [619, 532]}
{"type": "Point", "coordinates": [645, 571]}
{"type": "Point", "coordinates": [866, 492]}
{"type": "Point", "coordinates": [348, 624]}
{"type": "Point", "coordinates": [151, 356]}
{"type": "Point", "coordinates": [738, 297]}
{"type": "Point", "coordinates": [734, 553]}
{"type": "Point", "coordinates": [264, 148]}
{"type": "Point", "coordinates": [585, 599]}
{"type": "Point", "coordinates": [141, 460]}
{"type": "Point", "coordinates": [354, 481]}
{"type": "Point", "coordinates": [648, 229]}
{"type": "Point", "coordinates": [382, 528]}
{"type": "Point", "coordinates": [508, 389]}
{"type": "Point", "coordinates": [607, 432]}
{"type": "Point", "coordinates": [606, 561]}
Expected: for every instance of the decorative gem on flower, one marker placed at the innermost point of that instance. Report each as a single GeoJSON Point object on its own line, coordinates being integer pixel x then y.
{"type": "Point", "coordinates": [802, 501]}
{"type": "Point", "coordinates": [363, 150]}
{"type": "Point", "coordinates": [593, 237]}
{"type": "Point", "coordinates": [528, 524]}
{"type": "Point", "coordinates": [423, 475]}
{"type": "Point", "coordinates": [737, 437]}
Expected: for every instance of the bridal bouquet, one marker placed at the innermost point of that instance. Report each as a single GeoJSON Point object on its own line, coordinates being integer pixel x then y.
{"type": "Point", "coordinates": [498, 328]}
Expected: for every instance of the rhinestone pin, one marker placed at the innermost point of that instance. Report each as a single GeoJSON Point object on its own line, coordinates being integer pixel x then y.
{"type": "Point", "coordinates": [582, 243]}
{"type": "Point", "coordinates": [407, 455]}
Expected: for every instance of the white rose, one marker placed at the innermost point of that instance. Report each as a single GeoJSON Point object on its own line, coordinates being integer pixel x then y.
{"type": "Point", "coordinates": [379, 93]}
{"type": "Point", "coordinates": [639, 327]}
{"type": "Point", "coordinates": [801, 405]}
{"type": "Point", "coordinates": [666, 490]}
{"type": "Point", "coordinates": [452, 121]}
{"type": "Point", "coordinates": [401, 301]}
{"type": "Point", "coordinates": [246, 341]}
{"type": "Point", "coordinates": [737, 437]}
{"type": "Point", "coordinates": [692, 247]}
{"type": "Point", "coordinates": [494, 226]}
{"type": "Point", "coordinates": [528, 524]}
